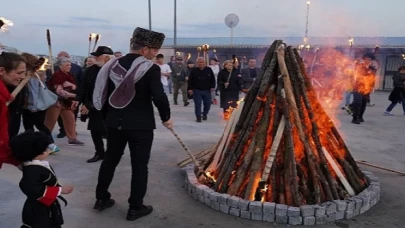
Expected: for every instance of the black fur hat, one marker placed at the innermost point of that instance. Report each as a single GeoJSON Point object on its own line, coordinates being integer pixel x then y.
{"type": "Point", "coordinates": [28, 145]}
{"type": "Point", "coordinates": [147, 38]}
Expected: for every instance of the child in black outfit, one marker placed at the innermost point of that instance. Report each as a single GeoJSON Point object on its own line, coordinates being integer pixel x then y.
{"type": "Point", "coordinates": [39, 182]}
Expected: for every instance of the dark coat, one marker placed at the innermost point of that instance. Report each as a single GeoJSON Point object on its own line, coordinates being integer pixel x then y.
{"type": "Point", "coordinates": [41, 209]}
{"type": "Point", "coordinates": [247, 79]}
{"type": "Point", "coordinates": [139, 113]}
{"type": "Point", "coordinates": [230, 95]}
{"type": "Point", "coordinates": [85, 96]}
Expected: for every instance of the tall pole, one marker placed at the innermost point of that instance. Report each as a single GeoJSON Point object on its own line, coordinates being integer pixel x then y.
{"type": "Point", "coordinates": [232, 36]}
{"type": "Point", "coordinates": [307, 22]}
{"type": "Point", "coordinates": [150, 15]}
{"type": "Point", "coordinates": [175, 27]}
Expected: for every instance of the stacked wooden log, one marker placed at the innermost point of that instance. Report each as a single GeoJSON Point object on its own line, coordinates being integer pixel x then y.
{"type": "Point", "coordinates": [280, 145]}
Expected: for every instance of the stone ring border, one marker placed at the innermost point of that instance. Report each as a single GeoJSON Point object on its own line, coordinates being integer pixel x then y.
{"type": "Point", "coordinates": [280, 213]}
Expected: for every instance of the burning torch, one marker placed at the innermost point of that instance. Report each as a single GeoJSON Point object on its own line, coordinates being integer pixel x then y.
{"type": "Point", "coordinates": [98, 36]}
{"type": "Point", "coordinates": [199, 52]}
{"type": "Point", "coordinates": [4, 23]}
{"type": "Point", "coordinates": [205, 48]}
{"type": "Point", "coordinates": [48, 38]}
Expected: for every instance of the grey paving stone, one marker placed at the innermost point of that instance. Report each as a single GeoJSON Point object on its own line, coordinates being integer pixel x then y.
{"type": "Point", "coordinates": [257, 216]}
{"type": "Point", "coordinates": [281, 210]}
{"type": "Point", "coordinates": [340, 215]}
{"type": "Point", "coordinates": [358, 201]}
{"type": "Point", "coordinates": [223, 199]}
{"type": "Point", "coordinates": [215, 205]}
{"type": "Point", "coordinates": [243, 205]}
{"type": "Point", "coordinates": [330, 208]}
{"type": "Point", "coordinates": [307, 210]}
{"type": "Point", "coordinates": [269, 217]}
{"type": "Point", "coordinates": [224, 208]}
{"type": "Point", "coordinates": [351, 205]}
{"type": "Point", "coordinates": [199, 189]}
{"type": "Point", "coordinates": [331, 217]}
{"type": "Point", "coordinates": [245, 214]}
{"type": "Point", "coordinates": [364, 208]}
{"type": "Point", "coordinates": [195, 195]}
{"type": "Point", "coordinates": [214, 196]}
{"type": "Point", "coordinates": [356, 211]}
{"type": "Point", "coordinates": [320, 210]}
{"type": "Point", "coordinates": [256, 207]}
{"type": "Point", "coordinates": [309, 221]}
{"type": "Point", "coordinates": [320, 219]}
{"type": "Point", "coordinates": [208, 202]}
{"type": "Point", "coordinates": [341, 205]}
{"type": "Point", "coordinates": [207, 192]}
{"type": "Point", "coordinates": [233, 201]}
{"type": "Point", "coordinates": [349, 214]}
{"type": "Point", "coordinates": [234, 211]}
{"type": "Point", "coordinates": [281, 219]}
{"type": "Point", "coordinates": [201, 198]}
{"type": "Point", "coordinates": [293, 211]}
{"type": "Point", "coordinates": [295, 220]}
{"type": "Point", "coordinates": [269, 208]}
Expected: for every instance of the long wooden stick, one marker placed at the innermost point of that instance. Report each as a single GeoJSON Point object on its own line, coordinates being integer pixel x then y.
{"type": "Point", "coordinates": [339, 173]}
{"type": "Point", "coordinates": [196, 163]}
{"type": "Point", "coordinates": [18, 89]}
{"type": "Point", "coordinates": [48, 38]}
{"type": "Point", "coordinates": [380, 167]}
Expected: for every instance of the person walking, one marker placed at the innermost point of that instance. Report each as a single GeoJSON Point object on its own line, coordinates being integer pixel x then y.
{"type": "Point", "coordinates": [125, 89]}
{"type": "Point", "coordinates": [179, 79]}
{"type": "Point", "coordinates": [398, 94]}
{"type": "Point", "coordinates": [201, 83]}
{"type": "Point", "coordinates": [230, 84]}
{"type": "Point", "coordinates": [85, 96]}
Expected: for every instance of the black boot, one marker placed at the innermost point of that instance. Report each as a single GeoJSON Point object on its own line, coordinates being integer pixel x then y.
{"type": "Point", "coordinates": [186, 103]}
{"type": "Point", "coordinates": [97, 157]}
{"type": "Point", "coordinates": [134, 214]}
{"type": "Point", "coordinates": [198, 120]}
{"type": "Point", "coordinates": [361, 120]}
{"type": "Point", "coordinates": [103, 204]}
{"type": "Point", "coordinates": [204, 117]}
{"type": "Point", "coordinates": [355, 121]}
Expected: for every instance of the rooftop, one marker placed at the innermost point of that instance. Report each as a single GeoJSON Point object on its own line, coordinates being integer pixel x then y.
{"type": "Point", "coordinates": [255, 42]}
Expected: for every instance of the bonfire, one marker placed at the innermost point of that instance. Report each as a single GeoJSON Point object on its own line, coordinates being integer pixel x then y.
{"type": "Point", "coordinates": [279, 144]}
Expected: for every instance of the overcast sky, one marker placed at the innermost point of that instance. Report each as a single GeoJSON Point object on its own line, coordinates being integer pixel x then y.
{"type": "Point", "coordinates": [71, 21]}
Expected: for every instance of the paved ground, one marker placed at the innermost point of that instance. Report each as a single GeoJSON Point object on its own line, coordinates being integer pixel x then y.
{"type": "Point", "coordinates": [379, 140]}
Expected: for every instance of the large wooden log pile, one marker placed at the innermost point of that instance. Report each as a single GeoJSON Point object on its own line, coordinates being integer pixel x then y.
{"type": "Point", "coordinates": [280, 145]}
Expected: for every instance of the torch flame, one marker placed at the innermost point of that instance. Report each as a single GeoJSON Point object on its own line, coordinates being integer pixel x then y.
{"type": "Point", "coordinates": [5, 23]}
{"type": "Point", "coordinates": [351, 41]}
{"type": "Point", "coordinates": [210, 176]}
{"type": "Point", "coordinates": [308, 2]}
{"type": "Point", "coordinates": [93, 35]}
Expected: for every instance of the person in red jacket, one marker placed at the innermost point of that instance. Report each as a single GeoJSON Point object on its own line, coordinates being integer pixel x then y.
{"type": "Point", "coordinates": [12, 71]}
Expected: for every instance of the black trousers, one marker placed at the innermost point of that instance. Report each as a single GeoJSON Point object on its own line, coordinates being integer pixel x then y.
{"type": "Point", "coordinates": [140, 144]}
{"type": "Point", "coordinates": [97, 137]}
{"type": "Point", "coordinates": [35, 119]}
{"type": "Point", "coordinates": [14, 123]}
{"type": "Point", "coordinates": [359, 104]}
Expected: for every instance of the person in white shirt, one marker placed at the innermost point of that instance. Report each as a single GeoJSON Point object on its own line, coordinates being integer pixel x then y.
{"type": "Point", "coordinates": [215, 68]}
{"type": "Point", "coordinates": [165, 72]}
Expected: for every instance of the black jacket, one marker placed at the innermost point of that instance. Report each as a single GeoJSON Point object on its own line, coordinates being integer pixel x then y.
{"type": "Point", "coordinates": [235, 80]}
{"type": "Point", "coordinates": [247, 78]}
{"type": "Point", "coordinates": [139, 113]}
{"type": "Point", "coordinates": [201, 79]}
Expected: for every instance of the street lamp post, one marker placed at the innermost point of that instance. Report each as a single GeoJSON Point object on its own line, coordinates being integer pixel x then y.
{"type": "Point", "coordinates": [150, 14]}
{"type": "Point", "coordinates": [175, 27]}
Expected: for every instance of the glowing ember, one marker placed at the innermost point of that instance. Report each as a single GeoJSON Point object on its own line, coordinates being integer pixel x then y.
{"type": "Point", "coordinates": [43, 66]}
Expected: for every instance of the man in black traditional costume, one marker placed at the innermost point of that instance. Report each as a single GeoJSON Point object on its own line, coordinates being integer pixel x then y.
{"type": "Point", "coordinates": [130, 84]}
{"type": "Point", "coordinates": [39, 182]}
{"type": "Point", "coordinates": [85, 96]}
